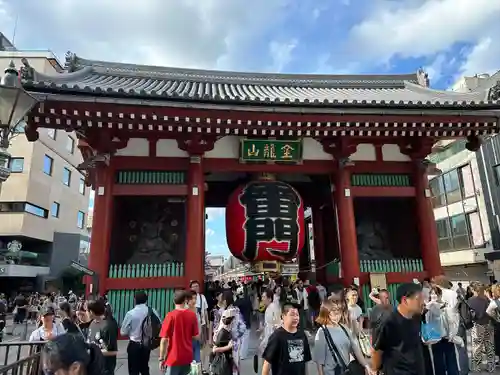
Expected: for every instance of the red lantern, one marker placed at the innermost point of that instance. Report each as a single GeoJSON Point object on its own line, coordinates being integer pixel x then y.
{"type": "Point", "coordinates": [265, 221]}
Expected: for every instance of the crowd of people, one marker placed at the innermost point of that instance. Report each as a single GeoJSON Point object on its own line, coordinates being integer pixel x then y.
{"type": "Point", "coordinates": [423, 332]}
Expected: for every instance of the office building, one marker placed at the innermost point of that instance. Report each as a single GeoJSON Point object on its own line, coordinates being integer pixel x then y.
{"type": "Point", "coordinates": [464, 202]}
{"type": "Point", "coordinates": [44, 203]}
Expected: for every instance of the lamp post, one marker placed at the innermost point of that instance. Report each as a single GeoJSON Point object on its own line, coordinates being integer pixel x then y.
{"type": "Point", "coordinates": [15, 103]}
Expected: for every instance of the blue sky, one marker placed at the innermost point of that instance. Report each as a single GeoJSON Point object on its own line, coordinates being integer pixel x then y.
{"type": "Point", "coordinates": [448, 38]}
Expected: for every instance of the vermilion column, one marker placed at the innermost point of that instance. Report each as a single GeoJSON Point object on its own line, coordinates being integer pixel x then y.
{"type": "Point", "coordinates": [346, 226]}
{"type": "Point", "coordinates": [305, 255]}
{"type": "Point", "coordinates": [102, 226]}
{"type": "Point", "coordinates": [195, 240]}
{"type": "Point", "coordinates": [319, 244]}
{"type": "Point", "coordinates": [426, 223]}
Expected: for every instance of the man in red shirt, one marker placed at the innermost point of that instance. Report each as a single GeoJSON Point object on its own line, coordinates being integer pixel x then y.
{"type": "Point", "coordinates": [178, 331]}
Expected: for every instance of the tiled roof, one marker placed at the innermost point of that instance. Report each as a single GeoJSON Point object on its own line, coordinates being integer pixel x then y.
{"type": "Point", "coordinates": [139, 81]}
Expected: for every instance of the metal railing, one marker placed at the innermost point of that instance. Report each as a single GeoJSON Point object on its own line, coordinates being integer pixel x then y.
{"type": "Point", "coordinates": [20, 358]}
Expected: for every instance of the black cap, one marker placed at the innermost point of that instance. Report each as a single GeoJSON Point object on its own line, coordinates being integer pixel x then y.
{"type": "Point", "coordinates": [47, 310]}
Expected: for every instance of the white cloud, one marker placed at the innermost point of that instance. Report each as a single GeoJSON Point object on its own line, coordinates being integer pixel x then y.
{"type": "Point", "coordinates": [218, 249]}
{"type": "Point", "coordinates": [187, 33]}
{"type": "Point", "coordinates": [281, 54]}
{"type": "Point", "coordinates": [484, 57]}
{"type": "Point", "coordinates": [417, 28]}
{"type": "Point", "coordinates": [209, 232]}
{"type": "Point", "coordinates": [436, 69]}
{"type": "Point", "coordinates": [214, 213]}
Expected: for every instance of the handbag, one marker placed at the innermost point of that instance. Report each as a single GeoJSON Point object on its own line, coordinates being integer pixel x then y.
{"type": "Point", "coordinates": [430, 333]}
{"type": "Point", "coordinates": [219, 364]}
{"type": "Point", "coordinates": [354, 367]}
{"type": "Point", "coordinates": [365, 344]}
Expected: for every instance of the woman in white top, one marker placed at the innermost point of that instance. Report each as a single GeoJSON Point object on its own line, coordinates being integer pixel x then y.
{"type": "Point", "coordinates": [272, 318]}
{"type": "Point", "coordinates": [49, 328]}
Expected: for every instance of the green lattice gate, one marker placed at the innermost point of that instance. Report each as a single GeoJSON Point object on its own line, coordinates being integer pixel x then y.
{"type": "Point", "coordinates": [162, 300]}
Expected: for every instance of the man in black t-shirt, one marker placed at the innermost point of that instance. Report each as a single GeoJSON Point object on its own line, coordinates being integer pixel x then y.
{"type": "Point", "coordinates": [103, 333]}
{"type": "Point", "coordinates": [287, 351]}
{"type": "Point", "coordinates": [397, 346]}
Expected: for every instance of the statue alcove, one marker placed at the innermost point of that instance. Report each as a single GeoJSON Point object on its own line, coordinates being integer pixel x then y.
{"type": "Point", "coordinates": [148, 230]}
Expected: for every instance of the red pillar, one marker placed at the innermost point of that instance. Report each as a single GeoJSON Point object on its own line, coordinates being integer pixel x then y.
{"type": "Point", "coordinates": [347, 226]}
{"type": "Point", "coordinates": [102, 225]}
{"type": "Point", "coordinates": [426, 224]}
{"type": "Point", "coordinates": [305, 255]}
{"type": "Point", "coordinates": [319, 244]}
{"type": "Point", "coordinates": [195, 241]}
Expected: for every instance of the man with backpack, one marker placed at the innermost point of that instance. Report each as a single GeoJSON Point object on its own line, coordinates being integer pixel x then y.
{"type": "Point", "coordinates": [142, 326]}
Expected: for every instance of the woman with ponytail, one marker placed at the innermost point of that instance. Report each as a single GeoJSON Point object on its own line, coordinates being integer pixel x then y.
{"type": "Point", "coordinates": [68, 354]}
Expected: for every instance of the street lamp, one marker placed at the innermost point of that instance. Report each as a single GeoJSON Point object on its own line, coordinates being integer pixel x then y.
{"type": "Point", "coordinates": [15, 103]}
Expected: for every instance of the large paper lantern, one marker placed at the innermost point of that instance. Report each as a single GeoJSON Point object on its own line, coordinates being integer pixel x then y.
{"type": "Point", "coordinates": [265, 221]}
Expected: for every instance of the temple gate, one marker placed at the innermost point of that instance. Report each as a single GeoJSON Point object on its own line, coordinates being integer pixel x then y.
{"type": "Point", "coordinates": [162, 144]}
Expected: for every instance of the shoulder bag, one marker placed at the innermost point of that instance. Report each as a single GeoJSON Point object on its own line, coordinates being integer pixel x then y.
{"type": "Point", "coordinates": [364, 343]}
{"type": "Point", "coordinates": [354, 367]}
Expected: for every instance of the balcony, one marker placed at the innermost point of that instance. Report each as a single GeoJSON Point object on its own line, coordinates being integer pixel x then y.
{"type": "Point", "coordinates": [20, 270]}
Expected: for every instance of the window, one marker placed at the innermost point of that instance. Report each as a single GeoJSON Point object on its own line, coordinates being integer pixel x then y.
{"type": "Point", "coordinates": [84, 247]}
{"type": "Point", "coordinates": [35, 210]}
{"type": "Point", "coordinates": [452, 186]}
{"type": "Point", "coordinates": [80, 219]}
{"type": "Point", "coordinates": [47, 165]}
{"type": "Point", "coordinates": [11, 207]}
{"type": "Point", "coordinates": [52, 133]}
{"type": "Point", "coordinates": [16, 165]}
{"type": "Point", "coordinates": [466, 181]}
{"type": "Point", "coordinates": [66, 176]}
{"type": "Point", "coordinates": [70, 146]}
{"type": "Point", "coordinates": [437, 191]}
{"type": "Point", "coordinates": [460, 229]}
{"type": "Point", "coordinates": [19, 128]}
{"type": "Point", "coordinates": [445, 241]}
{"type": "Point", "coordinates": [54, 210]}
{"type": "Point", "coordinates": [81, 187]}
{"type": "Point", "coordinates": [496, 171]}
{"type": "Point", "coordinates": [19, 207]}
{"type": "Point", "coordinates": [454, 233]}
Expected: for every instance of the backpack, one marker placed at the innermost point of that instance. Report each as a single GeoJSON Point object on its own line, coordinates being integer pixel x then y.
{"type": "Point", "coordinates": [150, 328]}
{"type": "Point", "coordinates": [467, 314]}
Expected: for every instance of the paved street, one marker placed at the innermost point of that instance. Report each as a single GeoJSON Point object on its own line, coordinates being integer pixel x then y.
{"type": "Point", "coordinates": [247, 365]}
{"type": "Point", "coordinates": [121, 369]}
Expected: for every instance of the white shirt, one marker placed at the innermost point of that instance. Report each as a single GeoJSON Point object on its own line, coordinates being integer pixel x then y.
{"type": "Point", "coordinates": [272, 317]}
{"type": "Point", "coordinates": [450, 297]}
{"type": "Point", "coordinates": [132, 322]}
{"type": "Point", "coordinates": [321, 292]}
{"type": "Point", "coordinates": [201, 303]}
{"type": "Point", "coordinates": [355, 312]}
{"type": "Point", "coordinates": [39, 333]}
{"type": "Point", "coordinates": [490, 310]}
